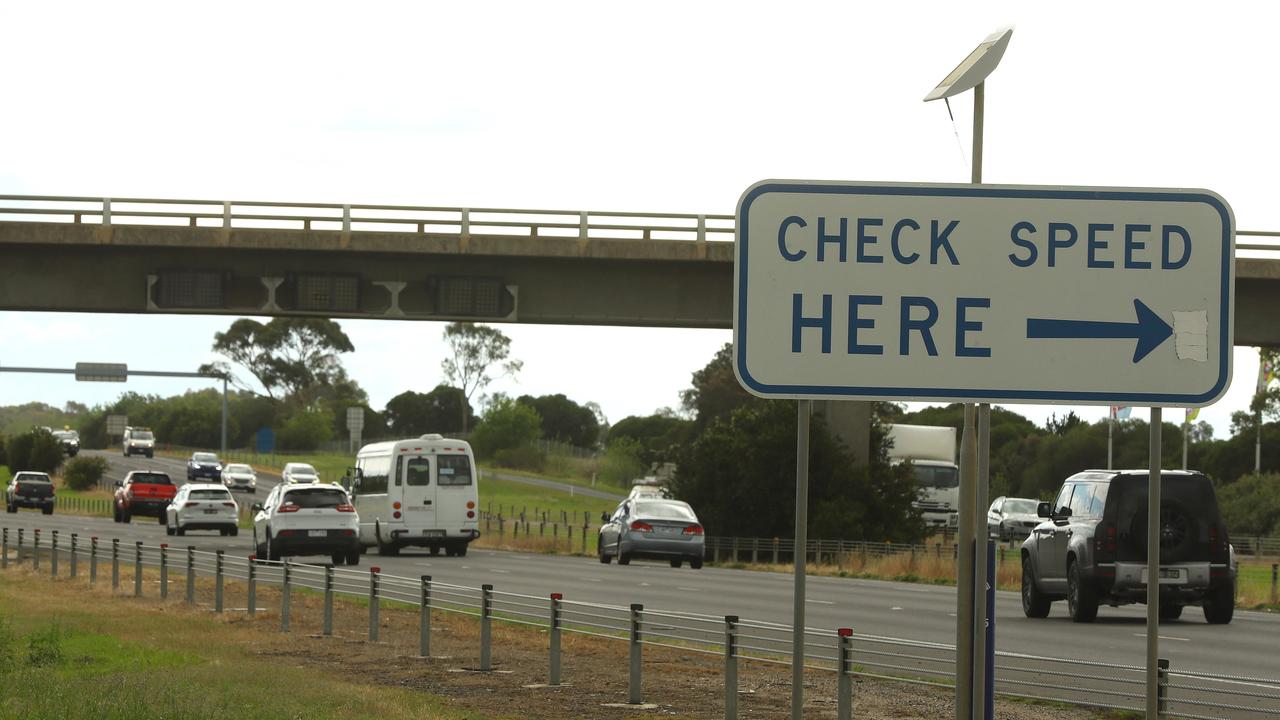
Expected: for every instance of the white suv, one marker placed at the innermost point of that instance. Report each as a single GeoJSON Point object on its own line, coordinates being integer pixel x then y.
{"type": "Point", "coordinates": [202, 506]}
{"type": "Point", "coordinates": [238, 476]}
{"type": "Point", "coordinates": [299, 473]}
{"type": "Point", "coordinates": [307, 519]}
{"type": "Point", "coordinates": [138, 441]}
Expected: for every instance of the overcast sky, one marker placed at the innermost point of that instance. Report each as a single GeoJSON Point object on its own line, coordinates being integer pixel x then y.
{"type": "Point", "coordinates": [644, 107]}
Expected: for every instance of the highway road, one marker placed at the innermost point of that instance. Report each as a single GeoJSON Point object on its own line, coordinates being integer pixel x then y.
{"type": "Point", "coordinates": [1246, 647]}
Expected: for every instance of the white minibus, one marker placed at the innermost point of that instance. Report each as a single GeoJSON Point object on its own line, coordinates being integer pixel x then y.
{"type": "Point", "coordinates": [418, 492]}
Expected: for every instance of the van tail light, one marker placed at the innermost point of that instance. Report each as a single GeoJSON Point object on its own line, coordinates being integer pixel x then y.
{"type": "Point", "coordinates": [346, 507]}
{"type": "Point", "coordinates": [693, 530]}
{"type": "Point", "coordinates": [471, 514]}
{"type": "Point", "coordinates": [471, 505]}
{"type": "Point", "coordinates": [288, 508]}
{"type": "Point", "coordinates": [641, 526]}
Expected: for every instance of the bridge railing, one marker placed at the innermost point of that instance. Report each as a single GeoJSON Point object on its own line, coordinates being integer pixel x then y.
{"type": "Point", "coordinates": [464, 222]}
{"type": "Point", "coordinates": [420, 219]}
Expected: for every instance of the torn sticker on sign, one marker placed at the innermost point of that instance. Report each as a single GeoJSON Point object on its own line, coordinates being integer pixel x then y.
{"type": "Point", "coordinates": [1191, 335]}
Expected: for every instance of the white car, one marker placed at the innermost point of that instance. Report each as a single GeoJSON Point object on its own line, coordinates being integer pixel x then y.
{"type": "Point", "coordinates": [299, 473]}
{"type": "Point", "coordinates": [202, 506]}
{"type": "Point", "coordinates": [307, 519]}
{"type": "Point", "coordinates": [238, 476]}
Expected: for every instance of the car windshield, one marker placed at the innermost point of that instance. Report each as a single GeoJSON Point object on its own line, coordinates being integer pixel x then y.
{"type": "Point", "coordinates": [302, 470]}
{"type": "Point", "coordinates": [67, 435]}
{"type": "Point", "coordinates": [239, 469]}
{"type": "Point", "coordinates": [315, 498]}
{"type": "Point", "coordinates": [664, 511]}
{"type": "Point", "coordinates": [1022, 507]}
{"type": "Point", "coordinates": [209, 495]}
{"type": "Point", "coordinates": [152, 478]}
{"type": "Point", "coordinates": [205, 457]}
{"type": "Point", "coordinates": [141, 436]}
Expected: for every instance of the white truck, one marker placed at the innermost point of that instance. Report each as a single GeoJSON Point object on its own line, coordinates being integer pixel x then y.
{"type": "Point", "coordinates": [932, 453]}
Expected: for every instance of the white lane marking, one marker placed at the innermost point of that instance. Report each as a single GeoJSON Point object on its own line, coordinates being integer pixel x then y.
{"type": "Point", "coordinates": [1164, 637]}
{"type": "Point", "coordinates": [595, 579]}
{"type": "Point", "coordinates": [951, 614]}
{"type": "Point", "coordinates": [689, 589]}
{"type": "Point", "coordinates": [820, 602]}
{"type": "Point", "coordinates": [504, 572]}
{"type": "Point", "coordinates": [644, 584]}
{"type": "Point", "coordinates": [895, 608]}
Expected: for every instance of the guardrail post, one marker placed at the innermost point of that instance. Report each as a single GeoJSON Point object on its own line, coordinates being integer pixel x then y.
{"type": "Point", "coordinates": [93, 559]}
{"type": "Point", "coordinates": [844, 674]}
{"type": "Point", "coordinates": [115, 564]}
{"type": "Point", "coordinates": [164, 571]}
{"type": "Point", "coordinates": [74, 550]}
{"type": "Point", "coordinates": [346, 218]}
{"type": "Point", "coordinates": [4, 550]}
{"type": "Point", "coordinates": [633, 678]}
{"type": "Point", "coordinates": [53, 556]}
{"type": "Point", "coordinates": [137, 569]}
{"type": "Point", "coordinates": [466, 223]}
{"type": "Point", "coordinates": [486, 610]}
{"type": "Point", "coordinates": [217, 583]}
{"type": "Point", "coordinates": [284, 598]}
{"type": "Point", "coordinates": [20, 547]}
{"type": "Point", "coordinates": [582, 225]}
{"type": "Point", "coordinates": [373, 603]}
{"type": "Point", "coordinates": [1275, 580]}
{"type": "Point", "coordinates": [1162, 687]}
{"type": "Point", "coordinates": [730, 667]}
{"type": "Point", "coordinates": [775, 551]}
{"type": "Point", "coordinates": [35, 549]}
{"type": "Point", "coordinates": [585, 526]}
{"type": "Point", "coordinates": [327, 628]}
{"type": "Point", "coordinates": [755, 550]}
{"type": "Point", "coordinates": [191, 575]}
{"type": "Point", "coordinates": [553, 629]}
{"type": "Point", "coordinates": [702, 228]}
{"type": "Point", "coordinates": [106, 211]}
{"type": "Point", "coordinates": [252, 575]}
{"type": "Point", "coordinates": [226, 214]}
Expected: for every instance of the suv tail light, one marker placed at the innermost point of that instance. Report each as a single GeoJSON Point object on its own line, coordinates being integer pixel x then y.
{"type": "Point", "coordinates": [693, 530]}
{"type": "Point", "coordinates": [345, 507]}
{"type": "Point", "coordinates": [228, 504]}
{"type": "Point", "coordinates": [287, 508]}
{"type": "Point", "coordinates": [1104, 543]}
{"type": "Point", "coordinates": [641, 526]}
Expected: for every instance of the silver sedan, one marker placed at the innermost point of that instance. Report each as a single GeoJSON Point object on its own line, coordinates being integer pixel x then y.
{"type": "Point", "coordinates": [649, 527]}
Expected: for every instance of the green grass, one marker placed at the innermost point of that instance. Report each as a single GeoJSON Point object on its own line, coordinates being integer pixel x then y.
{"type": "Point", "coordinates": [4, 475]}
{"type": "Point", "coordinates": [122, 663]}
{"type": "Point", "coordinates": [506, 495]}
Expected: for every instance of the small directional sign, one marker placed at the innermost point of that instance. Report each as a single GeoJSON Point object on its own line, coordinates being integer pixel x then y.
{"type": "Point", "coordinates": [984, 293]}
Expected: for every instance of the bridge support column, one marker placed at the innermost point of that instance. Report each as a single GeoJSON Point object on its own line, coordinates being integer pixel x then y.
{"type": "Point", "coordinates": [850, 421]}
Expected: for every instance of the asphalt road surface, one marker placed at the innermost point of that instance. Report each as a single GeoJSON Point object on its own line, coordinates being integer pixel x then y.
{"type": "Point", "coordinates": [1246, 647]}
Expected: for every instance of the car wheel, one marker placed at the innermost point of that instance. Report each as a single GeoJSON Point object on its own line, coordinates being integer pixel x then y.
{"type": "Point", "coordinates": [179, 531]}
{"type": "Point", "coordinates": [461, 551]}
{"type": "Point", "coordinates": [160, 519]}
{"type": "Point", "coordinates": [234, 531]}
{"type": "Point", "coordinates": [604, 557]}
{"type": "Point", "coordinates": [125, 516]}
{"type": "Point", "coordinates": [168, 530]}
{"type": "Point", "coordinates": [273, 554]}
{"type": "Point", "coordinates": [1082, 598]}
{"type": "Point", "coordinates": [1170, 611]}
{"type": "Point", "coordinates": [115, 514]}
{"type": "Point", "coordinates": [1220, 606]}
{"type": "Point", "coordinates": [1034, 603]}
{"type": "Point", "coordinates": [695, 563]}
{"type": "Point", "coordinates": [624, 558]}
{"type": "Point", "coordinates": [338, 558]}
{"type": "Point", "coordinates": [676, 562]}
{"type": "Point", "coordinates": [151, 455]}
{"type": "Point", "coordinates": [10, 507]}
{"type": "Point", "coordinates": [47, 510]}
{"type": "Point", "coordinates": [353, 558]}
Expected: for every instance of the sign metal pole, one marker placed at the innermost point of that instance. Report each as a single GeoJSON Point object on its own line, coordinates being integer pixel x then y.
{"type": "Point", "coordinates": [800, 556]}
{"type": "Point", "coordinates": [1153, 568]}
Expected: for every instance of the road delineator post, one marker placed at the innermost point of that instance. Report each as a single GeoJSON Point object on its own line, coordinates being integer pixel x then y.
{"type": "Point", "coordinates": [844, 674]}
{"type": "Point", "coordinates": [424, 619]}
{"type": "Point", "coordinates": [35, 549]}
{"type": "Point", "coordinates": [19, 546]}
{"type": "Point", "coordinates": [1162, 688]}
{"type": "Point", "coordinates": [74, 555]}
{"type": "Point", "coordinates": [4, 550]}
{"type": "Point", "coordinates": [53, 556]}
{"type": "Point", "coordinates": [284, 598]}
{"type": "Point", "coordinates": [633, 676]}
{"type": "Point", "coordinates": [373, 603]}
{"type": "Point", "coordinates": [327, 626]}
{"type": "Point", "coordinates": [217, 583]}
{"type": "Point", "coordinates": [553, 630]}
{"type": "Point", "coordinates": [191, 575]}
{"type": "Point", "coordinates": [164, 571]}
{"type": "Point", "coordinates": [730, 667]}
{"type": "Point", "coordinates": [93, 559]}
{"type": "Point", "coordinates": [137, 568]}
{"type": "Point", "coordinates": [486, 612]}
{"type": "Point", "coordinates": [252, 599]}
{"type": "Point", "coordinates": [115, 564]}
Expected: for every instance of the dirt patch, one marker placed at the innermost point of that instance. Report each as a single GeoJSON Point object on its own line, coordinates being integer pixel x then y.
{"type": "Point", "coordinates": [678, 683]}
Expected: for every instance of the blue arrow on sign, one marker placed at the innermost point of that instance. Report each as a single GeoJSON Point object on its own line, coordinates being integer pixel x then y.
{"type": "Point", "coordinates": [1149, 330]}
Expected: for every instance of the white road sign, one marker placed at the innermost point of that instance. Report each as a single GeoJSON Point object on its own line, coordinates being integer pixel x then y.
{"type": "Point", "coordinates": [1108, 296]}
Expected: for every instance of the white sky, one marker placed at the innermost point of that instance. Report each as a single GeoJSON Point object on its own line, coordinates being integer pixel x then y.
{"type": "Point", "coordinates": [645, 107]}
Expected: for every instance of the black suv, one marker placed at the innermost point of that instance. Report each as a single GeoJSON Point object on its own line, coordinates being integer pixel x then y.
{"type": "Point", "coordinates": [1093, 547]}
{"type": "Point", "coordinates": [204, 465]}
{"type": "Point", "coordinates": [32, 490]}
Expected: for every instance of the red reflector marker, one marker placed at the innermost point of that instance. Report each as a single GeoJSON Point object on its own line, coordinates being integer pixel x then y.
{"type": "Point", "coordinates": [845, 632]}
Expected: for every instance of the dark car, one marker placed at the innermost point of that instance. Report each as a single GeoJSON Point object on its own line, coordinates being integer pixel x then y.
{"type": "Point", "coordinates": [30, 490]}
{"type": "Point", "coordinates": [652, 527]}
{"type": "Point", "coordinates": [69, 440]}
{"type": "Point", "coordinates": [204, 465]}
{"type": "Point", "coordinates": [1092, 550]}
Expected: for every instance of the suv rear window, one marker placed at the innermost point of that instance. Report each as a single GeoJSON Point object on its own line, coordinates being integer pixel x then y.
{"type": "Point", "coordinates": [315, 498]}
{"type": "Point", "coordinates": [152, 478]}
{"type": "Point", "coordinates": [209, 495]}
{"type": "Point", "coordinates": [453, 469]}
{"type": "Point", "coordinates": [32, 477]}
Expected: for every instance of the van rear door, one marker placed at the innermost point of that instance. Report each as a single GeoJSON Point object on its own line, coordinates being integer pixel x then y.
{"type": "Point", "coordinates": [417, 495]}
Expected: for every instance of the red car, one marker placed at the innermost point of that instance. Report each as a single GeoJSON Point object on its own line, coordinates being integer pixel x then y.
{"type": "Point", "coordinates": [143, 492]}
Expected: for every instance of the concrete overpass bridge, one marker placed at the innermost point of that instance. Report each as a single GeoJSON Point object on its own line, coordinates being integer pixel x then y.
{"type": "Point", "coordinates": [147, 255]}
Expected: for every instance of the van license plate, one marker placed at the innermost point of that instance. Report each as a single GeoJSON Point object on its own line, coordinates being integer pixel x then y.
{"type": "Point", "coordinates": [433, 533]}
{"type": "Point", "coordinates": [318, 533]}
{"type": "Point", "coordinates": [1168, 576]}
